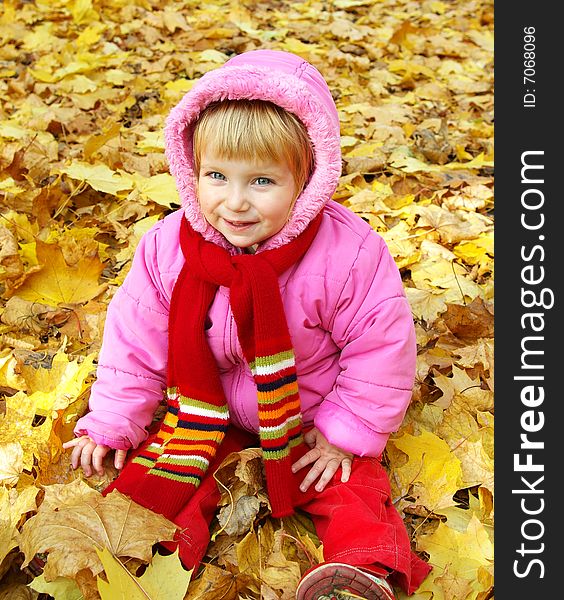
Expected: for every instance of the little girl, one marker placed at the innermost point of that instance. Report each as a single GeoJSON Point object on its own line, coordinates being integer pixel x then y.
{"type": "Point", "coordinates": [270, 314]}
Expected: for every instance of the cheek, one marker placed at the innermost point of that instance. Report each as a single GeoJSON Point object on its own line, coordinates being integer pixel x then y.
{"type": "Point", "coordinates": [205, 200]}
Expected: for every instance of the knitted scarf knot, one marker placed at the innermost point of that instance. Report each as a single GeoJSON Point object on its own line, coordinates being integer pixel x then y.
{"type": "Point", "coordinates": [197, 415]}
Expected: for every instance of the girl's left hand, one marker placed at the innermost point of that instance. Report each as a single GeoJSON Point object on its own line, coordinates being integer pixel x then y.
{"type": "Point", "coordinates": [326, 459]}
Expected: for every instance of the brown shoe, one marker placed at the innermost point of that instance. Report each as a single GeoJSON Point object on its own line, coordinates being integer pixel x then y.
{"type": "Point", "coordinates": [338, 581]}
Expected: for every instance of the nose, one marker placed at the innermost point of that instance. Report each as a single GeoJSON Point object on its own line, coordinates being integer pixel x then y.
{"type": "Point", "coordinates": [236, 199]}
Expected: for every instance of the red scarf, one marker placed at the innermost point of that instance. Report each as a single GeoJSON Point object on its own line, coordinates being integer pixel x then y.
{"type": "Point", "coordinates": [165, 471]}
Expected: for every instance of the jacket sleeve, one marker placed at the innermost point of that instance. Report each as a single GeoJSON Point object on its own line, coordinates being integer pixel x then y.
{"type": "Point", "coordinates": [131, 373]}
{"type": "Point", "coordinates": [373, 326]}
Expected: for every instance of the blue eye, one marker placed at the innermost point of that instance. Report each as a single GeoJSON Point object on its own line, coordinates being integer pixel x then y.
{"type": "Point", "coordinates": [263, 180]}
{"type": "Point", "coordinates": [214, 173]}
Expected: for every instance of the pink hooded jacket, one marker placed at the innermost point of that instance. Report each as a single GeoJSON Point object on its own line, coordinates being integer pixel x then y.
{"type": "Point", "coordinates": [347, 313]}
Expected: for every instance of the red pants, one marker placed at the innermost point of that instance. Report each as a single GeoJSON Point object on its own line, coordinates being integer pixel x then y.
{"type": "Point", "coordinates": [356, 521]}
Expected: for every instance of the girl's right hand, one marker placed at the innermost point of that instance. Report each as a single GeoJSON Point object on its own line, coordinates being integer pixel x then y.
{"type": "Point", "coordinates": [89, 454]}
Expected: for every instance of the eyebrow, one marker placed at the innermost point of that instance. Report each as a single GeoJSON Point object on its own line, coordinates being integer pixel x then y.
{"type": "Point", "coordinates": [271, 171]}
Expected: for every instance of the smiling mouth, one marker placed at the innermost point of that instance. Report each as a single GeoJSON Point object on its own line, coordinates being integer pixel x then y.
{"type": "Point", "coordinates": [240, 224]}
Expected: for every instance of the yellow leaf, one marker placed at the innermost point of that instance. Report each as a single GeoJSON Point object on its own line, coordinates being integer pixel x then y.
{"type": "Point", "coordinates": [11, 463]}
{"type": "Point", "coordinates": [61, 588]}
{"type": "Point", "coordinates": [164, 579]}
{"type": "Point", "coordinates": [249, 554]}
{"type": "Point", "coordinates": [152, 141]}
{"type": "Point", "coordinates": [9, 186]}
{"type": "Point", "coordinates": [426, 304]}
{"type": "Point", "coordinates": [458, 556]}
{"type": "Point", "coordinates": [58, 283]}
{"type": "Point", "coordinates": [83, 12]}
{"type": "Point", "coordinates": [484, 39]}
{"type": "Point", "coordinates": [174, 20]}
{"type": "Point", "coordinates": [479, 250]}
{"type": "Point", "coordinates": [438, 275]}
{"type": "Point", "coordinates": [477, 466]}
{"type": "Point", "coordinates": [16, 424]}
{"type": "Point", "coordinates": [366, 149]}
{"type": "Point", "coordinates": [433, 470]}
{"type": "Point", "coordinates": [468, 391]}
{"type": "Point", "coordinates": [90, 35]}
{"type": "Point", "coordinates": [159, 188]}
{"type": "Point", "coordinates": [100, 177]}
{"type": "Point", "coordinates": [61, 384]}
{"type": "Point", "coordinates": [88, 524]}
{"type": "Point", "coordinates": [12, 506]}
{"type": "Point", "coordinates": [8, 366]}
{"type": "Point", "coordinates": [213, 56]}
{"type": "Point", "coordinates": [121, 584]}
{"type": "Point", "coordinates": [292, 44]}
{"type": "Point", "coordinates": [95, 142]}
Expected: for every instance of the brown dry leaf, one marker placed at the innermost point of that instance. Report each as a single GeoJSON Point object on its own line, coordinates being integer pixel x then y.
{"type": "Point", "coordinates": [242, 474]}
{"type": "Point", "coordinates": [17, 591]}
{"type": "Point", "coordinates": [215, 583]}
{"type": "Point", "coordinates": [237, 519]}
{"type": "Point", "coordinates": [11, 265]}
{"type": "Point", "coordinates": [280, 573]}
{"type": "Point", "coordinates": [89, 523]}
{"type": "Point", "coordinates": [472, 321]}
{"type": "Point", "coordinates": [482, 352]}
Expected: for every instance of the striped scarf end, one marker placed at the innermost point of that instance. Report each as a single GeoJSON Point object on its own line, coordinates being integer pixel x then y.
{"type": "Point", "coordinates": [178, 477]}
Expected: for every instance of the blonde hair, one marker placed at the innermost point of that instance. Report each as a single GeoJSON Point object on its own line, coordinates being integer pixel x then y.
{"type": "Point", "coordinates": [254, 129]}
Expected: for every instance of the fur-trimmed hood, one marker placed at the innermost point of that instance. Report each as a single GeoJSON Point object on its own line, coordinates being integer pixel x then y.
{"type": "Point", "coordinates": [286, 80]}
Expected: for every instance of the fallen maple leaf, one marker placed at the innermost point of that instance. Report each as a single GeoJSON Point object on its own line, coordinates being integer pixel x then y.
{"type": "Point", "coordinates": [471, 321]}
{"type": "Point", "coordinates": [61, 588]}
{"type": "Point", "coordinates": [215, 583]}
{"type": "Point", "coordinates": [164, 579]}
{"type": "Point", "coordinates": [11, 463]}
{"type": "Point", "coordinates": [457, 557]}
{"type": "Point", "coordinates": [432, 469]}
{"type": "Point", "coordinates": [100, 177]}
{"type": "Point", "coordinates": [59, 385]}
{"type": "Point", "coordinates": [90, 523]}
{"type": "Point", "coordinates": [58, 283]}
{"type": "Point", "coordinates": [17, 424]}
{"type": "Point", "coordinates": [237, 519]}
{"type": "Point", "coordinates": [12, 506]}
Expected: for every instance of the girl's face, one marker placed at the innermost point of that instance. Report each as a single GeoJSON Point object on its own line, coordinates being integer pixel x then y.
{"type": "Point", "coordinates": [246, 201]}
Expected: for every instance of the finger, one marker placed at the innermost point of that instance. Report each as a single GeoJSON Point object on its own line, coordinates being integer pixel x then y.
{"type": "Point", "coordinates": [98, 458]}
{"type": "Point", "coordinates": [119, 459]}
{"type": "Point", "coordinates": [86, 458]}
{"type": "Point", "coordinates": [306, 459]}
{"type": "Point", "coordinates": [74, 442]}
{"type": "Point", "coordinates": [327, 475]}
{"type": "Point", "coordinates": [77, 451]}
{"type": "Point", "coordinates": [312, 475]}
{"type": "Point", "coordinates": [346, 466]}
{"type": "Point", "coordinates": [75, 456]}
{"type": "Point", "coordinates": [310, 437]}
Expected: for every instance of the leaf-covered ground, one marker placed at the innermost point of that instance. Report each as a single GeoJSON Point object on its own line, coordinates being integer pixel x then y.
{"type": "Point", "coordinates": [85, 86]}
